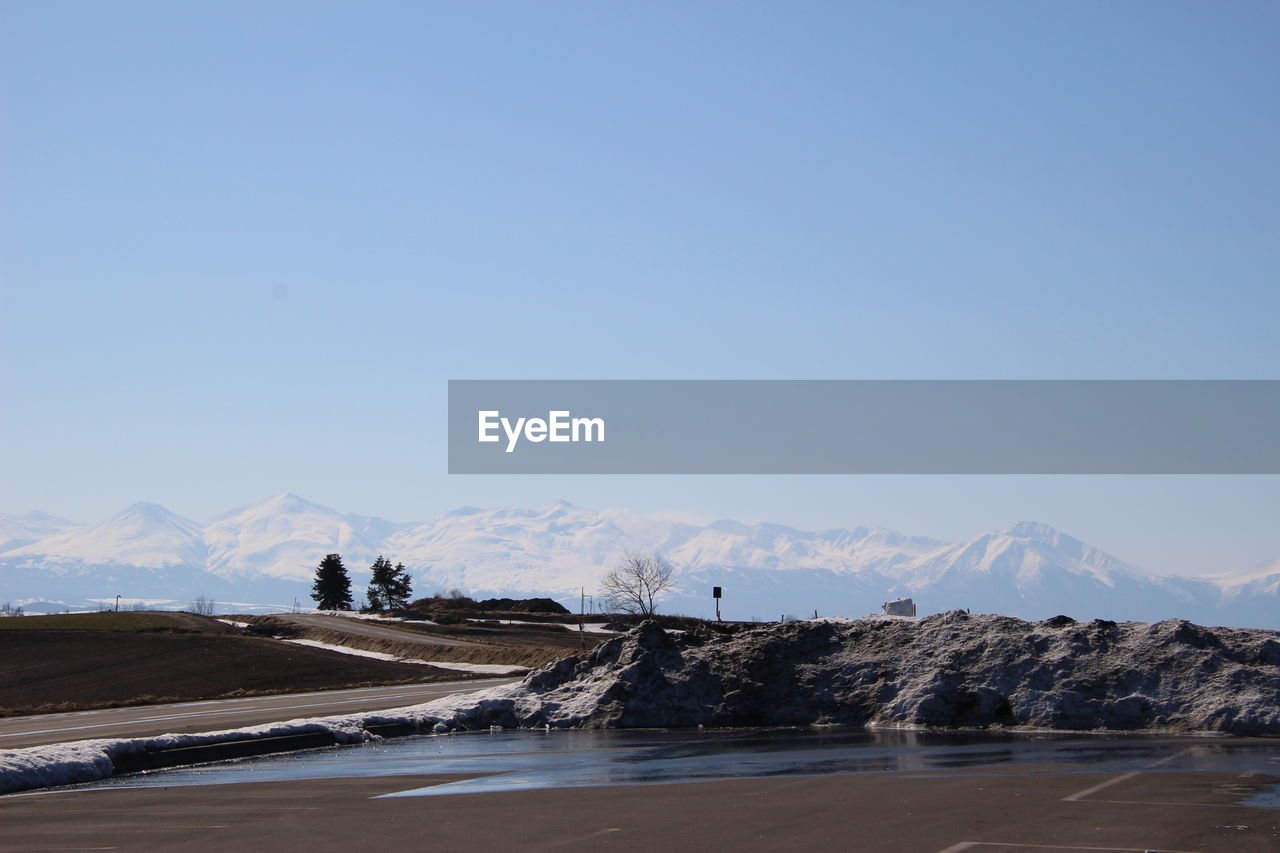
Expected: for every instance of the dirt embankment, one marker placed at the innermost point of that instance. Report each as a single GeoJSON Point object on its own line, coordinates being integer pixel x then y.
{"type": "Point", "coordinates": [951, 670]}
{"type": "Point", "coordinates": [120, 620]}
{"type": "Point", "coordinates": [517, 645]}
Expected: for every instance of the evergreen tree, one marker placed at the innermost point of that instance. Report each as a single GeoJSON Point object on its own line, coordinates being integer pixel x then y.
{"type": "Point", "coordinates": [400, 589]}
{"type": "Point", "coordinates": [379, 571]}
{"type": "Point", "coordinates": [332, 588]}
{"type": "Point", "coordinates": [389, 586]}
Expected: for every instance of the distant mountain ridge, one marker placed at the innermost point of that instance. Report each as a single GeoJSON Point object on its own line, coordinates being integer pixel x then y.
{"type": "Point", "coordinates": [265, 554]}
{"type": "Point", "coordinates": [19, 530]}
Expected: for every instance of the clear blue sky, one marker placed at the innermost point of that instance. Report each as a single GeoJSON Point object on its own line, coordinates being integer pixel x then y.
{"type": "Point", "coordinates": [245, 244]}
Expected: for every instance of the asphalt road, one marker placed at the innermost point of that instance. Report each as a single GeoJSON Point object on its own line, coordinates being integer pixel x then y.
{"type": "Point", "coordinates": [369, 628]}
{"type": "Point", "coordinates": [959, 812]}
{"type": "Point", "coordinates": [215, 714]}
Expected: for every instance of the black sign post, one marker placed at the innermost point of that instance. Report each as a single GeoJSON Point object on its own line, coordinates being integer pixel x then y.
{"type": "Point", "coordinates": [715, 593]}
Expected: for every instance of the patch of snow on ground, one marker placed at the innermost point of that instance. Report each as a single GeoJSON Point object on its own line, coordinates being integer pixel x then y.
{"type": "Point", "coordinates": [372, 617]}
{"type": "Point", "coordinates": [486, 668]}
{"type": "Point", "coordinates": [589, 627]}
{"type": "Point", "coordinates": [594, 628]}
{"type": "Point", "coordinates": [347, 650]}
{"type": "Point", "coordinates": [233, 623]}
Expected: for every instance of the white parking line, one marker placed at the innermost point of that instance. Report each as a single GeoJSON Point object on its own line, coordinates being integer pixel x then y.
{"type": "Point", "coordinates": [1123, 777]}
{"type": "Point", "coordinates": [565, 842]}
{"type": "Point", "coordinates": [1080, 795]}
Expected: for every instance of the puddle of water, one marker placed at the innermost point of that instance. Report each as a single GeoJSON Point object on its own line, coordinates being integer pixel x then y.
{"type": "Point", "coordinates": [523, 760]}
{"type": "Point", "coordinates": [1267, 798]}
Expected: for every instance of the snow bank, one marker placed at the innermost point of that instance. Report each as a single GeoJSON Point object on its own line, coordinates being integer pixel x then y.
{"type": "Point", "coordinates": [91, 760]}
{"type": "Point", "coordinates": [58, 764]}
{"type": "Point", "coordinates": [950, 670]}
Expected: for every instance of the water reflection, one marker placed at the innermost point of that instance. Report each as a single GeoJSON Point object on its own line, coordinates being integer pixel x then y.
{"type": "Point", "coordinates": [504, 761]}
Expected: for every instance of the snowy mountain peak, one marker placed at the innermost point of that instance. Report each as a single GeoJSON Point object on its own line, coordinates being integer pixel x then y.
{"type": "Point", "coordinates": [141, 520]}
{"type": "Point", "coordinates": [559, 509]}
{"type": "Point", "coordinates": [286, 536]}
{"type": "Point", "coordinates": [145, 514]}
{"type": "Point", "coordinates": [1032, 530]}
{"type": "Point", "coordinates": [19, 530]}
{"type": "Point", "coordinates": [1030, 562]}
{"type": "Point", "coordinates": [288, 502]}
{"type": "Point", "coordinates": [728, 525]}
{"type": "Point", "coordinates": [144, 534]}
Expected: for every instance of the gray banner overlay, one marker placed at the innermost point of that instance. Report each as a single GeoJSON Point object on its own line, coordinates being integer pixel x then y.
{"type": "Point", "coordinates": [865, 427]}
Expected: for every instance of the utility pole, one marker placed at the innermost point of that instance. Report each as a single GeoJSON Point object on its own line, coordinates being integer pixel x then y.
{"type": "Point", "coordinates": [582, 603]}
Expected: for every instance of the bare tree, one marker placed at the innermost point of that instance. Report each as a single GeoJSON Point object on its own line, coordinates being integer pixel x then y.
{"type": "Point", "coordinates": [203, 606]}
{"type": "Point", "coordinates": [634, 586]}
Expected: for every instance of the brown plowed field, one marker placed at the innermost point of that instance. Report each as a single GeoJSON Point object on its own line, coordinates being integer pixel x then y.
{"type": "Point", "coordinates": [64, 669]}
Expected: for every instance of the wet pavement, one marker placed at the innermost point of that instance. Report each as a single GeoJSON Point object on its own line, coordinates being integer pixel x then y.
{"type": "Point", "coordinates": [525, 760]}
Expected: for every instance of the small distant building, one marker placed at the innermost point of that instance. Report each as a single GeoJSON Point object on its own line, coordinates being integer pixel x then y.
{"type": "Point", "coordinates": [899, 607]}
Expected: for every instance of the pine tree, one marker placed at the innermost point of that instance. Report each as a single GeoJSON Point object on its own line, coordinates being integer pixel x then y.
{"type": "Point", "coordinates": [376, 594]}
{"type": "Point", "coordinates": [389, 587]}
{"type": "Point", "coordinates": [332, 588]}
{"type": "Point", "coordinates": [400, 589]}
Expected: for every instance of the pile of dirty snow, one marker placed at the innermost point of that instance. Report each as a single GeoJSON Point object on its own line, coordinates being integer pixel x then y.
{"type": "Point", "coordinates": [950, 670]}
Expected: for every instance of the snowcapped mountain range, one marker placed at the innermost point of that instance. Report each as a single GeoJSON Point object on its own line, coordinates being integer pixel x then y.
{"type": "Point", "coordinates": [265, 554]}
